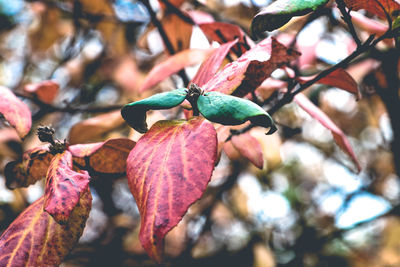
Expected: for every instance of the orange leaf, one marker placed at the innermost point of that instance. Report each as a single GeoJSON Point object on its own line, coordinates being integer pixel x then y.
{"type": "Point", "coordinates": [209, 67]}
{"type": "Point", "coordinates": [32, 168]}
{"type": "Point", "coordinates": [251, 69]}
{"type": "Point", "coordinates": [173, 64]}
{"type": "Point", "coordinates": [340, 79]}
{"type": "Point", "coordinates": [107, 157]}
{"type": "Point", "coordinates": [168, 170]}
{"type": "Point", "coordinates": [63, 187]}
{"type": "Point", "coordinates": [250, 148]}
{"type": "Point", "coordinates": [36, 239]}
{"type": "Point", "coordinates": [15, 112]}
{"type": "Point", "coordinates": [376, 7]}
{"type": "Point", "coordinates": [178, 31]}
{"type": "Point", "coordinates": [45, 90]}
{"type": "Point", "coordinates": [339, 137]}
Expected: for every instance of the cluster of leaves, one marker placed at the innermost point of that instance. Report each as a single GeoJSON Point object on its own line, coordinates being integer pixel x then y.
{"type": "Point", "coordinates": [170, 166]}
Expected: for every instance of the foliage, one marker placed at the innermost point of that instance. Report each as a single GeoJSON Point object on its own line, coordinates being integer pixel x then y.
{"type": "Point", "coordinates": [210, 129]}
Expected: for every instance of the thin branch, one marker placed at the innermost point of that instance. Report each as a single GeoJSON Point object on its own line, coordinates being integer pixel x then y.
{"type": "Point", "coordinates": [173, 9]}
{"type": "Point", "coordinates": [347, 18]}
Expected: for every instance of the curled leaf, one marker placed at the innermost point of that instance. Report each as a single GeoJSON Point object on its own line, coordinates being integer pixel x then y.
{"type": "Point", "coordinates": [231, 110]}
{"type": "Point", "coordinates": [280, 12]}
{"type": "Point", "coordinates": [36, 239]}
{"type": "Point", "coordinates": [168, 170]}
{"type": "Point", "coordinates": [135, 113]}
{"type": "Point", "coordinates": [15, 112]}
{"type": "Point", "coordinates": [64, 187]}
{"type": "Point", "coordinates": [250, 148]}
{"type": "Point", "coordinates": [30, 169]}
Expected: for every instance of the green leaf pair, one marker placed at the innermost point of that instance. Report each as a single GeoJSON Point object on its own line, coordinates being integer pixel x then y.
{"type": "Point", "coordinates": [214, 106]}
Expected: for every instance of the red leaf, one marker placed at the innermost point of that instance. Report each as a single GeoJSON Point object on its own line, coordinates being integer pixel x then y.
{"type": "Point", "coordinates": [339, 137]}
{"type": "Point", "coordinates": [36, 239]}
{"type": "Point", "coordinates": [32, 168]}
{"type": "Point", "coordinates": [45, 90]}
{"type": "Point", "coordinates": [15, 112]}
{"type": "Point", "coordinates": [377, 7]}
{"type": "Point", "coordinates": [106, 157]}
{"type": "Point", "coordinates": [173, 64]}
{"type": "Point", "coordinates": [340, 79]}
{"type": "Point", "coordinates": [168, 170]}
{"type": "Point", "coordinates": [251, 69]}
{"type": "Point", "coordinates": [209, 67]}
{"type": "Point", "coordinates": [250, 148]}
{"type": "Point", "coordinates": [63, 187]}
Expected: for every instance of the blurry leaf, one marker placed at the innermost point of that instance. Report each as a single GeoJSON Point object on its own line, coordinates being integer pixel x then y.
{"type": "Point", "coordinates": [250, 148]}
{"type": "Point", "coordinates": [107, 157]}
{"type": "Point", "coordinates": [376, 7]}
{"type": "Point", "coordinates": [263, 256]}
{"type": "Point", "coordinates": [31, 169]}
{"type": "Point", "coordinates": [64, 187]}
{"type": "Point", "coordinates": [135, 113]}
{"type": "Point", "coordinates": [36, 239]}
{"type": "Point", "coordinates": [200, 17]}
{"type": "Point", "coordinates": [209, 67]}
{"type": "Point", "coordinates": [370, 25]}
{"type": "Point", "coordinates": [251, 69]}
{"type": "Point", "coordinates": [15, 112]}
{"type": "Point", "coordinates": [269, 86]}
{"type": "Point", "coordinates": [280, 12]}
{"type": "Point", "coordinates": [340, 79]}
{"type": "Point", "coordinates": [339, 137]}
{"type": "Point", "coordinates": [45, 90]}
{"type": "Point", "coordinates": [176, 3]}
{"type": "Point", "coordinates": [168, 170]}
{"type": "Point", "coordinates": [173, 64]}
{"type": "Point", "coordinates": [231, 110]}
{"type": "Point", "coordinates": [178, 31]}
{"type": "Point", "coordinates": [94, 129]}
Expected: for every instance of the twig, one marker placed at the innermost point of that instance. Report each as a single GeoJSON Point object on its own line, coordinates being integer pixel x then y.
{"type": "Point", "coordinates": [164, 37]}
{"type": "Point", "coordinates": [173, 9]}
{"type": "Point", "coordinates": [347, 18]}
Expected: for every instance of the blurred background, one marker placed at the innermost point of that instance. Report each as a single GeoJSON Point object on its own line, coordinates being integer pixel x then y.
{"type": "Point", "coordinates": [307, 206]}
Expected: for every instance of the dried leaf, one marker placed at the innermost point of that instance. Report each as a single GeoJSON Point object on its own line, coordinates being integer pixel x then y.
{"type": "Point", "coordinates": [36, 239]}
{"type": "Point", "coordinates": [250, 148]}
{"type": "Point", "coordinates": [251, 69]}
{"type": "Point", "coordinates": [178, 31]}
{"type": "Point", "coordinates": [339, 137]}
{"type": "Point", "coordinates": [280, 12]}
{"type": "Point", "coordinates": [209, 67]}
{"type": "Point", "coordinates": [376, 7]}
{"type": "Point", "coordinates": [340, 79]}
{"type": "Point", "coordinates": [173, 64]}
{"type": "Point", "coordinates": [31, 169]}
{"type": "Point", "coordinates": [45, 90]}
{"type": "Point", "coordinates": [64, 187]}
{"type": "Point", "coordinates": [106, 157]}
{"type": "Point", "coordinates": [15, 112]}
{"type": "Point", "coordinates": [168, 170]}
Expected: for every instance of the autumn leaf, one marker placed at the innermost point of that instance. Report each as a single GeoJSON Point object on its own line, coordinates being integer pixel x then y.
{"type": "Point", "coordinates": [30, 169]}
{"type": "Point", "coordinates": [173, 64]}
{"type": "Point", "coordinates": [36, 239]}
{"type": "Point", "coordinates": [340, 79]}
{"type": "Point", "coordinates": [64, 187]}
{"type": "Point", "coordinates": [249, 148]}
{"type": "Point", "coordinates": [106, 157]}
{"type": "Point", "coordinates": [135, 113]}
{"type": "Point", "coordinates": [15, 112]}
{"type": "Point", "coordinates": [251, 69]}
{"type": "Point", "coordinates": [168, 170]}
{"type": "Point", "coordinates": [376, 7]}
{"type": "Point", "coordinates": [46, 91]}
{"type": "Point", "coordinates": [280, 12]}
{"type": "Point", "coordinates": [178, 31]}
{"type": "Point", "coordinates": [209, 67]}
{"type": "Point", "coordinates": [338, 135]}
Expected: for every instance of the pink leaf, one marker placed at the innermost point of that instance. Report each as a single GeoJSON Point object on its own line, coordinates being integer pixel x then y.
{"type": "Point", "coordinates": [45, 90]}
{"type": "Point", "coordinates": [250, 148]}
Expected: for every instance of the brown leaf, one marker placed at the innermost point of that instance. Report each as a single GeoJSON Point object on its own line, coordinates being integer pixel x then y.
{"type": "Point", "coordinates": [45, 90]}
{"type": "Point", "coordinates": [15, 112]}
{"type": "Point", "coordinates": [107, 157]}
{"type": "Point", "coordinates": [376, 7]}
{"type": "Point", "coordinates": [178, 31]}
{"type": "Point", "coordinates": [339, 137]}
{"type": "Point", "coordinates": [64, 187]}
{"type": "Point", "coordinates": [36, 239]}
{"type": "Point", "coordinates": [30, 169]}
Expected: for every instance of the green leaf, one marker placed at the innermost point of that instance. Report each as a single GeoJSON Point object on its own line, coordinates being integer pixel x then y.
{"type": "Point", "coordinates": [280, 12]}
{"type": "Point", "coordinates": [231, 110]}
{"type": "Point", "coordinates": [135, 113]}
